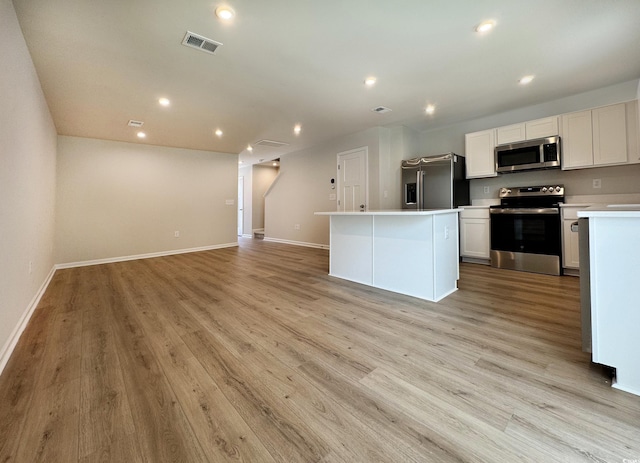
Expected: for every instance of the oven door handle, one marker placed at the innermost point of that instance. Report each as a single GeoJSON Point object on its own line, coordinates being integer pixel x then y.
{"type": "Point", "coordinates": [525, 210]}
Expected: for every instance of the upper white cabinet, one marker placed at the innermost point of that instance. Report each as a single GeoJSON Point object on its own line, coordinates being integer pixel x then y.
{"type": "Point", "coordinates": [577, 140]}
{"type": "Point", "coordinates": [542, 128]}
{"type": "Point", "coordinates": [479, 154]}
{"type": "Point", "coordinates": [510, 133]}
{"type": "Point", "coordinates": [600, 137]}
{"type": "Point", "coordinates": [605, 136]}
{"type": "Point", "coordinates": [530, 130]}
{"type": "Point", "coordinates": [609, 135]}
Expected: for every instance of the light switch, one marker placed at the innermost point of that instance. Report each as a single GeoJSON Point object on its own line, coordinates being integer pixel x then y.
{"type": "Point", "coordinates": [332, 197]}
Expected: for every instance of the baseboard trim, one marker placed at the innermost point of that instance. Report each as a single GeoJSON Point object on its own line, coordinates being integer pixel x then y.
{"type": "Point", "coordinates": [11, 343]}
{"type": "Point", "coordinates": [246, 235]}
{"type": "Point", "coordinates": [298, 243]}
{"type": "Point", "coordinates": [151, 255]}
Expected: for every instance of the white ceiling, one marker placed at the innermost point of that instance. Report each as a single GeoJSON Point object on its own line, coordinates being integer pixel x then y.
{"type": "Point", "coordinates": [284, 62]}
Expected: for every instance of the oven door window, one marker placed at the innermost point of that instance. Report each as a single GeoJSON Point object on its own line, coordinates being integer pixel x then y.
{"type": "Point", "coordinates": [528, 233]}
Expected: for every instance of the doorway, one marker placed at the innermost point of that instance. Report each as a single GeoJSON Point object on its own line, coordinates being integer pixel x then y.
{"type": "Point", "coordinates": [240, 206]}
{"type": "Point", "coordinates": [353, 187]}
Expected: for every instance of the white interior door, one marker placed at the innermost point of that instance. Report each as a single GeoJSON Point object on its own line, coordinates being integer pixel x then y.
{"type": "Point", "coordinates": [240, 206]}
{"type": "Point", "coordinates": [353, 189]}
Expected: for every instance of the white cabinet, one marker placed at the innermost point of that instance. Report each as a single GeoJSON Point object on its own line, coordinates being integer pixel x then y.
{"type": "Point", "coordinates": [577, 140]}
{"type": "Point", "coordinates": [542, 128]}
{"type": "Point", "coordinates": [598, 137]}
{"type": "Point", "coordinates": [609, 135]}
{"type": "Point", "coordinates": [614, 253]}
{"type": "Point", "coordinates": [570, 247]}
{"type": "Point", "coordinates": [479, 154]}
{"type": "Point", "coordinates": [475, 234]}
{"type": "Point", "coordinates": [511, 133]}
{"type": "Point", "coordinates": [530, 130]}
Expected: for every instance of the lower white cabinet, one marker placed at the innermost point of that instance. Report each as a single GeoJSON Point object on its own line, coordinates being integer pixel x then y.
{"type": "Point", "coordinates": [475, 234]}
{"type": "Point", "coordinates": [570, 241]}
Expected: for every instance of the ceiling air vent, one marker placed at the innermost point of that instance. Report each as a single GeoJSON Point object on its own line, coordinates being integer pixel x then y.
{"type": "Point", "coordinates": [270, 143]}
{"type": "Point", "coordinates": [199, 42]}
{"type": "Point", "coordinates": [133, 123]}
{"type": "Point", "coordinates": [381, 109]}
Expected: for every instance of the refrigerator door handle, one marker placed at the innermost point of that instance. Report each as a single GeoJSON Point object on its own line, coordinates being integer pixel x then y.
{"type": "Point", "coordinates": [419, 180]}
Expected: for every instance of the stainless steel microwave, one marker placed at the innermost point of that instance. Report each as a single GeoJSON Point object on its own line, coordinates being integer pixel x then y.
{"type": "Point", "coordinates": [542, 153]}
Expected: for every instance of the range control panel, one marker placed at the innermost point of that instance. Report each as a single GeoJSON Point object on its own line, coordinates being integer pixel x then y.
{"type": "Point", "coordinates": [545, 190]}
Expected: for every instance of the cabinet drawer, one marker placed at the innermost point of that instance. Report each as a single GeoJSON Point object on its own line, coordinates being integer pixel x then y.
{"type": "Point", "coordinates": [475, 213]}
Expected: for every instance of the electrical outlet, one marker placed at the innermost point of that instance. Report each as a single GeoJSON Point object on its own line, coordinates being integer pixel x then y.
{"type": "Point", "coordinates": [176, 234]}
{"type": "Point", "coordinates": [296, 226]}
{"type": "Point", "coordinates": [597, 183]}
{"type": "Point", "coordinates": [446, 232]}
{"type": "Point", "coordinates": [486, 190]}
{"type": "Point", "coordinates": [332, 197]}
{"type": "Point", "coordinates": [30, 267]}
{"type": "Point", "coordinates": [229, 202]}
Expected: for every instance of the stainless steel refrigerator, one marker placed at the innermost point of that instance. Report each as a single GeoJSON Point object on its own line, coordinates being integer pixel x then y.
{"type": "Point", "coordinates": [434, 182]}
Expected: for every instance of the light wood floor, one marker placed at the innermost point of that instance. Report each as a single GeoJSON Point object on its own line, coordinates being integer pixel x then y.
{"type": "Point", "coordinates": [255, 354]}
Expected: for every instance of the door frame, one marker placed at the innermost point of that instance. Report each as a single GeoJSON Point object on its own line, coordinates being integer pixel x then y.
{"type": "Point", "coordinates": [366, 173]}
{"type": "Point", "coordinates": [240, 208]}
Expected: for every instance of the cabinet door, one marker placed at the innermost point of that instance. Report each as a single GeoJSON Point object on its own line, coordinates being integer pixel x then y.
{"type": "Point", "coordinates": [474, 238]}
{"type": "Point", "coordinates": [542, 128]}
{"type": "Point", "coordinates": [633, 132]}
{"type": "Point", "coordinates": [577, 144]}
{"type": "Point", "coordinates": [570, 246]}
{"type": "Point", "coordinates": [479, 154]}
{"type": "Point", "coordinates": [609, 135]}
{"type": "Point", "coordinates": [510, 134]}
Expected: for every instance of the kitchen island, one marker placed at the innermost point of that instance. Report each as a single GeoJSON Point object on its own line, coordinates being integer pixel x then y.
{"type": "Point", "coordinates": [406, 251]}
{"type": "Point", "coordinates": [614, 253]}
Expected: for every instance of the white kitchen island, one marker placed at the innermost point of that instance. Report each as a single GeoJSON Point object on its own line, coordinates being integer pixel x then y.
{"type": "Point", "coordinates": [614, 254]}
{"type": "Point", "coordinates": [408, 252]}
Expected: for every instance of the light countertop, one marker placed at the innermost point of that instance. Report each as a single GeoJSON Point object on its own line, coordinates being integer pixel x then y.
{"type": "Point", "coordinates": [397, 212]}
{"type": "Point", "coordinates": [611, 210]}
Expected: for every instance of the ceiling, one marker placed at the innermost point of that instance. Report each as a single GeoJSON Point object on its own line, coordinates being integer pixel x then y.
{"type": "Point", "coordinates": [283, 62]}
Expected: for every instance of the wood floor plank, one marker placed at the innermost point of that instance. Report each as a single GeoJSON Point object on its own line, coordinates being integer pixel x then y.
{"type": "Point", "coordinates": [254, 353]}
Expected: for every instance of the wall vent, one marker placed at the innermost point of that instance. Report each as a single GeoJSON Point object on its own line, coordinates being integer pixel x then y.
{"type": "Point", "coordinates": [133, 123]}
{"type": "Point", "coordinates": [200, 43]}
{"type": "Point", "coordinates": [270, 143]}
{"type": "Point", "coordinates": [381, 109]}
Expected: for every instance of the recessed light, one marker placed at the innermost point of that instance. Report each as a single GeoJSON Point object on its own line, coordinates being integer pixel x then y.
{"type": "Point", "coordinates": [164, 101]}
{"type": "Point", "coordinates": [485, 26]}
{"type": "Point", "coordinates": [275, 164]}
{"type": "Point", "coordinates": [141, 135]}
{"type": "Point", "coordinates": [430, 109]}
{"type": "Point", "coordinates": [297, 129]}
{"type": "Point", "coordinates": [239, 162]}
{"type": "Point", "coordinates": [225, 13]}
{"type": "Point", "coordinates": [370, 81]}
{"type": "Point", "coordinates": [249, 148]}
{"type": "Point", "coordinates": [526, 80]}
{"type": "Point", "coordinates": [218, 132]}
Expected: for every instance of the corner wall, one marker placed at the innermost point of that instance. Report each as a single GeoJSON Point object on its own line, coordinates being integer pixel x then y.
{"type": "Point", "coordinates": [27, 184]}
{"type": "Point", "coordinates": [303, 187]}
{"type": "Point", "coordinates": [118, 200]}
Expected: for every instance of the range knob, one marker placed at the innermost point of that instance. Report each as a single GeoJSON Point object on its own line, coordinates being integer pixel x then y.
{"type": "Point", "coordinates": [544, 189]}
{"type": "Point", "coordinates": [503, 191]}
{"type": "Point", "coordinates": [558, 189]}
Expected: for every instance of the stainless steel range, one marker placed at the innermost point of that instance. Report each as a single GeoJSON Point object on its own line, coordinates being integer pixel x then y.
{"type": "Point", "coordinates": [526, 229]}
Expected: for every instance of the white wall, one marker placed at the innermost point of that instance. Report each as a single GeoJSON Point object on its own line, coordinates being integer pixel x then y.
{"type": "Point", "coordinates": [27, 183]}
{"type": "Point", "coordinates": [119, 199]}
{"type": "Point", "coordinates": [577, 182]}
{"type": "Point", "coordinates": [303, 188]}
{"type": "Point", "coordinates": [263, 177]}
